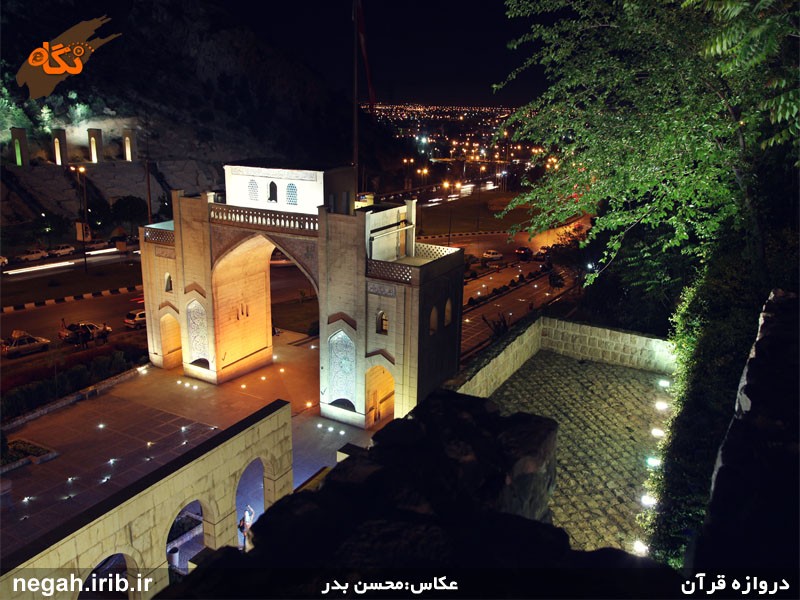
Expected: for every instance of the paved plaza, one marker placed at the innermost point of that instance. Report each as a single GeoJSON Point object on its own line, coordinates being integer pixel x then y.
{"type": "Point", "coordinates": [605, 415]}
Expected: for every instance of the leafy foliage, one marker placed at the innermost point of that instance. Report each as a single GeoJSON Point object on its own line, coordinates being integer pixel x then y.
{"type": "Point", "coordinates": [643, 127]}
{"type": "Point", "coordinates": [757, 34]}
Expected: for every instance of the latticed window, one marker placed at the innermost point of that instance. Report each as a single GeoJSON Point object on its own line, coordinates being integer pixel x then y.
{"type": "Point", "coordinates": [291, 194]}
{"type": "Point", "coordinates": [252, 190]}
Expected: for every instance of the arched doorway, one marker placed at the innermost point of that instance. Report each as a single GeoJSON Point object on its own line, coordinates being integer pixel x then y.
{"type": "Point", "coordinates": [114, 577]}
{"type": "Point", "coordinates": [184, 540]}
{"type": "Point", "coordinates": [171, 353]}
{"type": "Point", "coordinates": [379, 386]}
{"type": "Point", "coordinates": [250, 495]}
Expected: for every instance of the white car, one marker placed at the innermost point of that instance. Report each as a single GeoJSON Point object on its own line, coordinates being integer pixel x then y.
{"type": "Point", "coordinates": [97, 245]}
{"type": "Point", "coordinates": [62, 250]}
{"type": "Point", "coordinates": [492, 255]}
{"type": "Point", "coordinates": [32, 254]}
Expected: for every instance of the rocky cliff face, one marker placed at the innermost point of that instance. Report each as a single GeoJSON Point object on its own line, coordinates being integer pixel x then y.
{"type": "Point", "coordinates": [454, 490]}
{"type": "Point", "coordinates": [195, 80]}
{"type": "Point", "coordinates": [753, 516]}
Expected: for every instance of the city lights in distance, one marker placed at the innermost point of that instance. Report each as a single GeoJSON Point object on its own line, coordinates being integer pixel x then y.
{"type": "Point", "coordinates": [101, 425]}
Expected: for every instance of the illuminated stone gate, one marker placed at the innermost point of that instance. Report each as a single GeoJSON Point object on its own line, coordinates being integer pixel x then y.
{"type": "Point", "coordinates": [389, 307]}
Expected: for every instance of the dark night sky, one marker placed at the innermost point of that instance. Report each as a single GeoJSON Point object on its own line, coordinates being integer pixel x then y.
{"type": "Point", "coordinates": [434, 51]}
{"type": "Point", "coordinates": [428, 51]}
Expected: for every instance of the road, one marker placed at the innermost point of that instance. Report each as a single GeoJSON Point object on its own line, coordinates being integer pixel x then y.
{"type": "Point", "coordinates": [45, 321]}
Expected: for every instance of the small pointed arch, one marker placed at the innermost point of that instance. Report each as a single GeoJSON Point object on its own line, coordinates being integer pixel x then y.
{"type": "Point", "coordinates": [433, 321]}
{"type": "Point", "coordinates": [448, 312]}
{"type": "Point", "coordinates": [273, 191]}
{"type": "Point", "coordinates": [167, 282]}
{"type": "Point", "coordinates": [382, 322]}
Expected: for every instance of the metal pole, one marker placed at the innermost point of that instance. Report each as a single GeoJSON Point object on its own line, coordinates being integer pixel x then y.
{"type": "Point", "coordinates": [85, 223]}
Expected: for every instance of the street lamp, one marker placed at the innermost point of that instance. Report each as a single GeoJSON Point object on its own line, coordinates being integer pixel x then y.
{"type": "Point", "coordinates": [478, 205]}
{"type": "Point", "coordinates": [85, 225]}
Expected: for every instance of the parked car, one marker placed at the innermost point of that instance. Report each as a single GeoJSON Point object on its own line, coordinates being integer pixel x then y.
{"type": "Point", "coordinates": [22, 342]}
{"type": "Point", "coordinates": [96, 245]}
{"type": "Point", "coordinates": [136, 319]}
{"type": "Point", "coordinates": [279, 259]}
{"type": "Point", "coordinates": [83, 331]}
{"type": "Point", "coordinates": [540, 256]}
{"type": "Point", "coordinates": [524, 253]}
{"type": "Point", "coordinates": [492, 255]}
{"type": "Point", "coordinates": [32, 254]}
{"type": "Point", "coordinates": [62, 250]}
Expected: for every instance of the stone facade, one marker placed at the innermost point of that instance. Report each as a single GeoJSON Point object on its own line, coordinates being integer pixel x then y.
{"type": "Point", "coordinates": [136, 521]}
{"type": "Point", "coordinates": [390, 338]}
{"type": "Point", "coordinates": [390, 309]}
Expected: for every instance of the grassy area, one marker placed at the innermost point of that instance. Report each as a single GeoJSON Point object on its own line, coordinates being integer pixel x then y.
{"type": "Point", "coordinates": [99, 278]}
{"type": "Point", "coordinates": [294, 315]}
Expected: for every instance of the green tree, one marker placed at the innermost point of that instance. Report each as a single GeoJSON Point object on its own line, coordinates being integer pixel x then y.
{"type": "Point", "coordinates": [647, 132]}
{"type": "Point", "coordinates": [755, 35]}
{"type": "Point", "coordinates": [647, 125]}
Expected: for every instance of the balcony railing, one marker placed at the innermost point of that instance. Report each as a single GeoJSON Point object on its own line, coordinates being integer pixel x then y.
{"type": "Point", "coordinates": [269, 220]}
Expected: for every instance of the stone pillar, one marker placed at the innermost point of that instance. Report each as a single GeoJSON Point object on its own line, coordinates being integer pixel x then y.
{"type": "Point", "coordinates": [60, 154]}
{"type": "Point", "coordinates": [275, 487]}
{"type": "Point", "coordinates": [129, 149]}
{"type": "Point", "coordinates": [19, 146]}
{"type": "Point", "coordinates": [411, 234]}
{"type": "Point", "coordinates": [95, 145]}
{"type": "Point", "coordinates": [222, 533]}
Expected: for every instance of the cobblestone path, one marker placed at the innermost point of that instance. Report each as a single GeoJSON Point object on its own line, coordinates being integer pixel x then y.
{"type": "Point", "coordinates": [605, 414]}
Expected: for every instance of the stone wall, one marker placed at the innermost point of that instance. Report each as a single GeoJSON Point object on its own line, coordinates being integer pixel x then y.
{"type": "Point", "coordinates": [136, 520]}
{"type": "Point", "coordinates": [753, 515]}
{"type": "Point", "coordinates": [577, 340]}
{"type": "Point", "coordinates": [611, 346]}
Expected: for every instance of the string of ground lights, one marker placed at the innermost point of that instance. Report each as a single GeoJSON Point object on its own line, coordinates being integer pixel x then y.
{"type": "Point", "coordinates": [653, 461]}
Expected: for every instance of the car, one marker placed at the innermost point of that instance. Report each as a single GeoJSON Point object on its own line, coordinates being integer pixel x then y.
{"type": "Point", "coordinates": [279, 259]}
{"type": "Point", "coordinates": [136, 319]}
{"type": "Point", "coordinates": [61, 250]}
{"type": "Point", "coordinates": [22, 342]}
{"type": "Point", "coordinates": [83, 331]}
{"type": "Point", "coordinates": [32, 254]}
{"type": "Point", "coordinates": [97, 245]}
{"type": "Point", "coordinates": [524, 253]}
{"type": "Point", "coordinates": [540, 256]}
{"type": "Point", "coordinates": [492, 255]}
